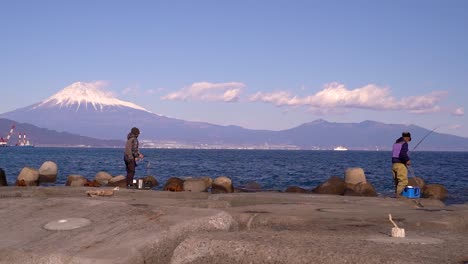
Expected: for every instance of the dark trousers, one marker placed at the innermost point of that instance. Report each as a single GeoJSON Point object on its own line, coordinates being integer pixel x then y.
{"type": "Point", "coordinates": [130, 165]}
{"type": "Point", "coordinates": [3, 180]}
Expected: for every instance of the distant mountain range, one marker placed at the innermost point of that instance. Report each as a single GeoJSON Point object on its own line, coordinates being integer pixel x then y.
{"type": "Point", "coordinates": [101, 120]}
{"type": "Point", "coordinates": [46, 137]}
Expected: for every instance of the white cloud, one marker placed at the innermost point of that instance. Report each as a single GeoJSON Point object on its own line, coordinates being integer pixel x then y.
{"type": "Point", "coordinates": [206, 91]}
{"type": "Point", "coordinates": [278, 98]}
{"type": "Point", "coordinates": [460, 111]}
{"type": "Point", "coordinates": [423, 103]}
{"type": "Point", "coordinates": [335, 97]}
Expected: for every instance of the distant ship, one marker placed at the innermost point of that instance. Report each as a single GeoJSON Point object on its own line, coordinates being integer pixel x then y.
{"type": "Point", "coordinates": [4, 141]}
{"type": "Point", "coordinates": [23, 142]}
{"type": "Point", "coordinates": [340, 148]}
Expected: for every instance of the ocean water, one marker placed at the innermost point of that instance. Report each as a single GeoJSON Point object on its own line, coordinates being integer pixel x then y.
{"type": "Point", "coordinates": [272, 169]}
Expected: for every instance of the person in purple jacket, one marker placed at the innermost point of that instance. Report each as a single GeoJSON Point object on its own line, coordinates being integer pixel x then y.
{"type": "Point", "coordinates": [400, 161]}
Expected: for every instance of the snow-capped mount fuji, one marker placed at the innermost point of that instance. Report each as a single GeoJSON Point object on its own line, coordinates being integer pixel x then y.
{"type": "Point", "coordinates": [87, 109]}
{"type": "Point", "coordinates": [82, 94]}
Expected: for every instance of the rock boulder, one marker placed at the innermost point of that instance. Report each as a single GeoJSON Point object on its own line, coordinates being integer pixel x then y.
{"type": "Point", "coordinates": [222, 184]}
{"type": "Point", "coordinates": [354, 175]}
{"type": "Point", "coordinates": [28, 177]}
{"type": "Point", "coordinates": [48, 172]}
{"type": "Point", "coordinates": [102, 177]}
{"type": "Point", "coordinates": [118, 181]}
{"type": "Point", "coordinates": [195, 185]}
{"type": "Point", "coordinates": [150, 181]}
{"type": "Point", "coordinates": [360, 189]}
{"type": "Point", "coordinates": [435, 191]}
{"type": "Point", "coordinates": [92, 184]}
{"type": "Point", "coordinates": [335, 185]}
{"type": "Point", "coordinates": [76, 180]}
{"type": "Point", "coordinates": [174, 184]}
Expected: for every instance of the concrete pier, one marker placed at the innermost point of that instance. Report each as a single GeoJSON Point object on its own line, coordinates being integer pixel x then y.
{"type": "Point", "coordinates": [64, 225]}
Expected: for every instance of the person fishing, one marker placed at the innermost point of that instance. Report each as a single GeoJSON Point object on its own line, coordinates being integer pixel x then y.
{"type": "Point", "coordinates": [132, 155]}
{"type": "Point", "coordinates": [400, 161]}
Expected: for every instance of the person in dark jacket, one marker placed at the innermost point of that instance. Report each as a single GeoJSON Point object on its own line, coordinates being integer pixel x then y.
{"type": "Point", "coordinates": [400, 161]}
{"type": "Point", "coordinates": [132, 155]}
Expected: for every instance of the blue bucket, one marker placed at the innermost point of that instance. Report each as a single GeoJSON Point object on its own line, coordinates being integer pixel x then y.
{"type": "Point", "coordinates": [411, 192]}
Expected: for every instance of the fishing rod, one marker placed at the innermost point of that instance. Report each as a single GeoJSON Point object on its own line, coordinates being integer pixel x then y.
{"type": "Point", "coordinates": [420, 141]}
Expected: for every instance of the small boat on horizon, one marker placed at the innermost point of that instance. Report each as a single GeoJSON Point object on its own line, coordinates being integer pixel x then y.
{"type": "Point", "coordinates": [23, 142]}
{"type": "Point", "coordinates": [340, 148]}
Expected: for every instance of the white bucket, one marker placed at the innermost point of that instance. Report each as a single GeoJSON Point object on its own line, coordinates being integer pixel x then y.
{"type": "Point", "coordinates": [140, 184]}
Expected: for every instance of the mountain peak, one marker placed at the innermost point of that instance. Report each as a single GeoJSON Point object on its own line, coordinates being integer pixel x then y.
{"type": "Point", "coordinates": [318, 122]}
{"type": "Point", "coordinates": [83, 93]}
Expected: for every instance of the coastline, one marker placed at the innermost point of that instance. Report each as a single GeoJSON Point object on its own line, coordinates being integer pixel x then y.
{"type": "Point", "coordinates": [139, 226]}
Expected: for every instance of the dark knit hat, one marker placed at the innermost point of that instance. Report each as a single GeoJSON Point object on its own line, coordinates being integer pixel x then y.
{"type": "Point", "coordinates": [406, 134]}
{"type": "Point", "coordinates": [135, 131]}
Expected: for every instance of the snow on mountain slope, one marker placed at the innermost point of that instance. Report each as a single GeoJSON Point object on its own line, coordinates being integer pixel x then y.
{"type": "Point", "coordinates": [82, 94]}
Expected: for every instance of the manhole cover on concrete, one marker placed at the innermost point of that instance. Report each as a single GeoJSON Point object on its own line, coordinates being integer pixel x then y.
{"type": "Point", "coordinates": [67, 224]}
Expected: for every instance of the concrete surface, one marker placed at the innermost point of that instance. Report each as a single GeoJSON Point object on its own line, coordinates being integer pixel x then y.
{"type": "Point", "coordinates": [139, 226]}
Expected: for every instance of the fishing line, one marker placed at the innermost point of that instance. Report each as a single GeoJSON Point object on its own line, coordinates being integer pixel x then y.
{"type": "Point", "coordinates": [420, 141]}
{"type": "Point", "coordinates": [411, 170]}
{"type": "Point", "coordinates": [148, 168]}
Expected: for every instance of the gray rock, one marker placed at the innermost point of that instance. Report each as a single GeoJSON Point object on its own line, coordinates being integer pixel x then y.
{"type": "Point", "coordinates": [120, 181]}
{"type": "Point", "coordinates": [222, 184]}
{"type": "Point", "coordinates": [208, 181]}
{"type": "Point", "coordinates": [174, 184]}
{"type": "Point", "coordinates": [335, 185]}
{"type": "Point", "coordinates": [28, 177]}
{"type": "Point", "coordinates": [75, 180]}
{"type": "Point", "coordinates": [360, 189]}
{"type": "Point", "coordinates": [354, 175]}
{"type": "Point", "coordinates": [48, 172]}
{"type": "Point", "coordinates": [117, 178]}
{"type": "Point", "coordinates": [195, 185]}
{"type": "Point", "coordinates": [150, 181]}
{"type": "Point", "coordinates": [435, 191]}
{"type": "Point", "coordinates": [102, 177]}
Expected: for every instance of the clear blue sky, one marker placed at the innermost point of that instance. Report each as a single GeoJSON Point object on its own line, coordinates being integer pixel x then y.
{"type": "Point", "coordinates": [257, 64]}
